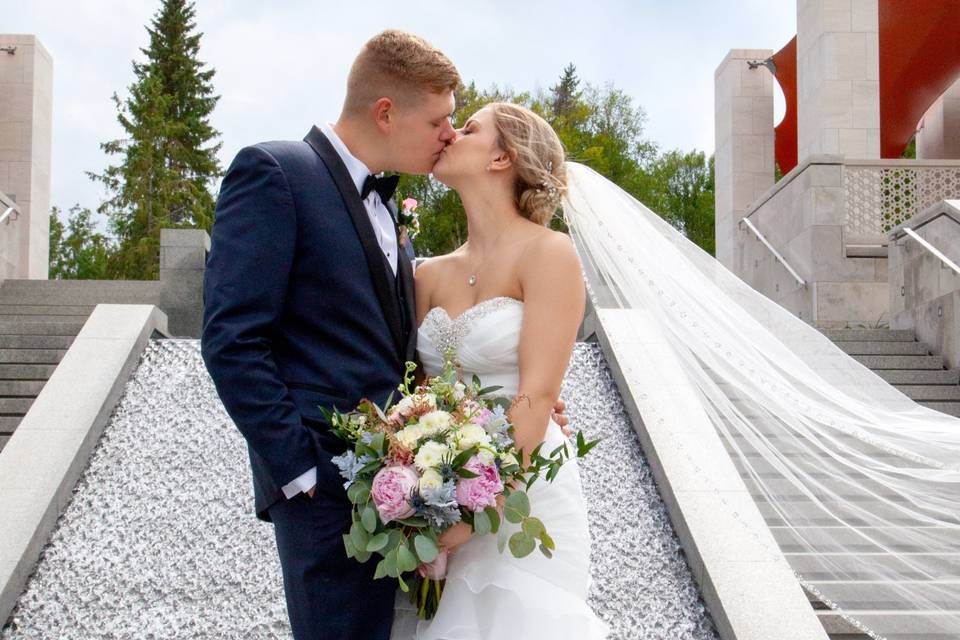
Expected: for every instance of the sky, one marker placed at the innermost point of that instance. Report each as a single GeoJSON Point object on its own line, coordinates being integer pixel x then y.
{"type": "Point", "coordinates": [281, 66]}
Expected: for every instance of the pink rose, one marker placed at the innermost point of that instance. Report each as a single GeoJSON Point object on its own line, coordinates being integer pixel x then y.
{"type": "Point", "coordinates": [410, 203]}
{"type": "Point", "coordinates": [391, 492]}
{"type": "Point", "coordinates": [435, 570]}
{"type": "Point", "coordinates": [479, 492]}
{"type": "Point", "coordinates": [483, 417]}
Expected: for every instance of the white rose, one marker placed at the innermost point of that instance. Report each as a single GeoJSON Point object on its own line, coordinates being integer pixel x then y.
{"type": "Point", "coordinates": [458, 391]}
{"type": "Point", "coordinates": [431, 479]}
{"type": "Point", "coordinates": [472, 434]}
{"type": "Point", "coordinates": [408, 436]}
{"type": "Point", "coordinates": [430, 455]}
{"type": "Point", "coordinates": [507, 459]}
{"type": "Point", "coordinates": [434, 421]}
{"type": "Point", "coordinates": [485, 456]}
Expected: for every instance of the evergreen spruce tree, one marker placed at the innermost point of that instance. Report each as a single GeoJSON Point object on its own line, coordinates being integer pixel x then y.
{"type": "Point", "coordinates": [167, 160]}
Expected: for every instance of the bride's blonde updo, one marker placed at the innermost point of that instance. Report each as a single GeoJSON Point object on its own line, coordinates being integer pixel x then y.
{"type": "Point", "coordinates": [538, 158]}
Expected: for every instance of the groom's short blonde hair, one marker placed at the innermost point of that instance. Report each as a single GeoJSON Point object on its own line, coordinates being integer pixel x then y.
{"type": "Point", "coordinates": [397, 65]}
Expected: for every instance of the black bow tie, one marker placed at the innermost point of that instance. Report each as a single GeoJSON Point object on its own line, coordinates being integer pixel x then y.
{"type": "Point", "coordinates": [384, 186]}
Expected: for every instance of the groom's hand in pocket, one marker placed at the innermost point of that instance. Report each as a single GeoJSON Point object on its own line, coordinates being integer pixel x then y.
{"type": "Point", "coordinates": [560, 417]}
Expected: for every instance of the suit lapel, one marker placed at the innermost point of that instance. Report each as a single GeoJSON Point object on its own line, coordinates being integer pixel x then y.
{"type": "Point", "coordinates": [405, 272]}
{"type": "Point", "coordinates": [382, 285]}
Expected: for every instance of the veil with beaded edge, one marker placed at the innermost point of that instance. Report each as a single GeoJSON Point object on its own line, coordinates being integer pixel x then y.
{"type": "Point", "coordinates": [845, 462]}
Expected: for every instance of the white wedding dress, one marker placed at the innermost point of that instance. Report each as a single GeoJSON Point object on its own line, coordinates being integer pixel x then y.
{"type": "Point", "coordinates": [488, 594]}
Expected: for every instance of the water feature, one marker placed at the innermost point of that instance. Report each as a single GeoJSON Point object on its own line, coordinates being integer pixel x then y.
{"type": "Point", "coordinates": [160, 540]}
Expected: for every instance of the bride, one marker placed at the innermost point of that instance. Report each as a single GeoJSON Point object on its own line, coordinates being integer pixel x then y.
{"type": "Point", "coordinates": [509, 302]}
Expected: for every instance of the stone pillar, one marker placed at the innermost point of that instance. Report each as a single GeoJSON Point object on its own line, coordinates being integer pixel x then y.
{"type": "Point", "coordinates": [838, 78]}
{"type": "Point", "coordinates": [26, 117]}
{"type": "Point", "coordinates": [183, 259]}
{"type": "Point", "coordinates": [939, 134]}
{"type": "Point", "coordinates": [744, 158]}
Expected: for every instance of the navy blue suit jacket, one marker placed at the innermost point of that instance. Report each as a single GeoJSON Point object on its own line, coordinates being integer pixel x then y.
{"type": "Point", "coordinates": [301, 308]}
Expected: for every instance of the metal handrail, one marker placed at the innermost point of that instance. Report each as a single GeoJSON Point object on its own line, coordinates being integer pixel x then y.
{"type": "Point", "coordinates": [932, 249]}
{"type": "Point", "coordinates": [7, 214]}
{"type": "Point", "coordinates": [776, 254]}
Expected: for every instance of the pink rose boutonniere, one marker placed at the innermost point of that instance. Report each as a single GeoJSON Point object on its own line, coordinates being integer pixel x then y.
{"type": "Point", "coordinates": [408, 220]}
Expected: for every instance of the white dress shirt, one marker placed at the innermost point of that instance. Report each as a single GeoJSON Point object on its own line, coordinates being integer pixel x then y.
{"type": "Point", "coordinates": [382, 223]}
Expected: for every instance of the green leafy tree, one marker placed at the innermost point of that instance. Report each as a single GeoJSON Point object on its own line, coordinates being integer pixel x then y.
{"type": "Point", "coordinates": [167, 161]}
{"type": "Point", "coordinates": [599, 127]}
{"type": "Point", "coordinates": [77, 250]}
{"type": "Point", "coordinates": [684, 195]}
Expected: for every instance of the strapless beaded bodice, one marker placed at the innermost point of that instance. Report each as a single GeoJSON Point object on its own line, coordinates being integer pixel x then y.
{"type": "Point", "coordinates": [485, 339]}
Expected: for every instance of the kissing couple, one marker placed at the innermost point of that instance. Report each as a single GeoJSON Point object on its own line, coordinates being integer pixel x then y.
{"type": "Point", "coordinates": [311, 300]}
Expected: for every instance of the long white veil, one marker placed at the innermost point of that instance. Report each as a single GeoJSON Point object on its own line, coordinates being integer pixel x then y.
{"type": "Point", "coordinates": [864, 482]}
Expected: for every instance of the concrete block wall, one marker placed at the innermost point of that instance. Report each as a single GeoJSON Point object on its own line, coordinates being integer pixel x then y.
{"type": "Point", "coordinates": [924, 292]}
{"type": "Point", "coordinates": [803, 218]}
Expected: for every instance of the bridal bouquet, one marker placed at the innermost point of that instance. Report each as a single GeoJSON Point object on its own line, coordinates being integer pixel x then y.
{"type": "Point", "coordinates": [444, 453]}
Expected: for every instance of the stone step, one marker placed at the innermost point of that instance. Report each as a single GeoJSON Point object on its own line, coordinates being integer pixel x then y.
{"type": "Point", "coordinates": [885, 347]}
{"type": "Point", "coordinates": [887, 594]}
{"type": "Point", "coordinates": [890, 625]}
{"type": "Point", "coordinates": [45, 318]}
{"type": "Point", "coordinates": [15, 406]}
{"type": "Point", "coordinates": [35, 342]}
{"type": "Point", "coordinates": [21, 388]}
{"type": "Point", "coordinates": [919, 376]}
{"type": "Point", "coordinates": [866, 539]}
{"type": "Point", "coordinates": [8, 424]}
{"type": "Point", "coordinates": [930, 391]}
{"type": "Point", "coordinates": [858, 566]}
{"type": "Point", "coordinates": [895, 335]}
{"type": "Point", "coordinates": [31, 356]}
{"type": "Point", "coordinates": [45, 310]}
{"type": "Point", "coordinates": [79, 292]}
{"type": "Point", "coordinates": [26, 371]}
{"type": "Point", "coordinates": [900, 362]}
{"type": "Point", "coordinates": [15, 327]}
{"type": "Point", "coordinates": [949, 408]}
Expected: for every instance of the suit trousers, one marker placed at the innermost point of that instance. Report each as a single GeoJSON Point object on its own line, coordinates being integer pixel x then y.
{"type": "Point", "coordinates": [329, 596]}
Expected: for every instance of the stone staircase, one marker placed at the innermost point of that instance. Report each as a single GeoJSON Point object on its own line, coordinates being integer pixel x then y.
{"type": "Point", "coordinates": [38, 321]}
{"type": "Point", "coordinates": [33, 340]}
{"type": "Point", "coordinates": [910, 366]}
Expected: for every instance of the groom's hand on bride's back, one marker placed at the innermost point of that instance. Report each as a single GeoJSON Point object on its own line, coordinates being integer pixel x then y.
{"type": "Point", "coordinates": [560, 417]}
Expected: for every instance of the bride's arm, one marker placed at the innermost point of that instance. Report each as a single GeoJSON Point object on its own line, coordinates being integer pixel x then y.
{"type": "Point", "coordinates": [553, 304]}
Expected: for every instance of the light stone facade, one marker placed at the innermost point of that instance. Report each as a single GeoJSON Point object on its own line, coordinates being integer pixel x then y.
{"type": "Point", "coordinates": [938, 137]}
{"type": "Point", "coordinates": [838, 78]}
{"type": "Point", "coordinates": [26, 118]}
{"type": "Point", "coordinates": [744, 143]}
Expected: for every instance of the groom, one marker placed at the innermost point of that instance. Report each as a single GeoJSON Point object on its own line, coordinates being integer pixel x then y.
{"type": "Point", "coordinates": [308, 302]}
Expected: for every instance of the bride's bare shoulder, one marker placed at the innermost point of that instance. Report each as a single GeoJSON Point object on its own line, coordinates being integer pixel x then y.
{"type": "Point", "coordinates": [553, 246]}
{"type": "Point", "coordinates": [429, 268]}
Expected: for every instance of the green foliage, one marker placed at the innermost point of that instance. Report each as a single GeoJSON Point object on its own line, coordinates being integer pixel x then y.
{"type": "Point", "coordinates": [77, 250]}
{"type": "Point", "coordinates": [167, 159]}
{"type": "Point", "coordinates": [598, 126]}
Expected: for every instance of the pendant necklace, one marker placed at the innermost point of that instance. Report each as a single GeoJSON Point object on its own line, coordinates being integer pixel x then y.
{"type": "Point", "coordinates": [472, 280]}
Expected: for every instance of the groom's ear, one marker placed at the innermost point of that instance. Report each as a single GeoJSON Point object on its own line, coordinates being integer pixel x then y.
{"type": "Point", "coordinates": [384, 113]}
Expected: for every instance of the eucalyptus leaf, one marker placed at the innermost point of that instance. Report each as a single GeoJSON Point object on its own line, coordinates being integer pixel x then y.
{"type": "Point", "coordinates": [545, 551]}
{"type": "Point", "coordinates": [533, 527]}
{"type": "Point", "coordinates": [481, 523]}
{"type": "Point", "coordinates": [359, 491]}
{"type": "Point", "coordinates": [378, 542]}
{"type": "Point", "coordinates": [494, 519]}
{"type": "Point", "coordinates": [426, 548]}
{"type": "Point", "coordinates": [406, 561]}
{"type": "Point", "coordinates": [521, 544]}
{"type": "Point", "coordinates": [369, 519]}
{"type": "Point", "coordinates": [516, 507]}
